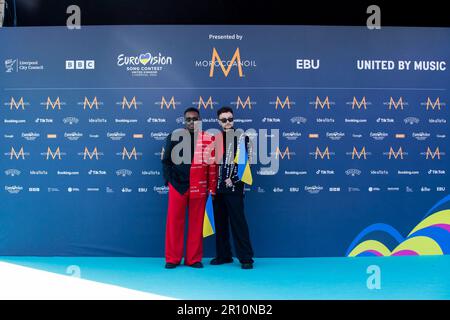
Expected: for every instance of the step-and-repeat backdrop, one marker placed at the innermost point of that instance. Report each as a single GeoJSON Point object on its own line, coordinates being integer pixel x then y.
{"type": "Point", "coordinates": [356, 123]}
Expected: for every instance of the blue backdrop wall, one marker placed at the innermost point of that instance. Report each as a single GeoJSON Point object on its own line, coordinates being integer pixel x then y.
{"type": "Point", "coordinates": [362, 117]}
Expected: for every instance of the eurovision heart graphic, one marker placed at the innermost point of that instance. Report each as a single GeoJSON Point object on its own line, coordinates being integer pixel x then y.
{"type": "Point", "coordinates": [145, 58]}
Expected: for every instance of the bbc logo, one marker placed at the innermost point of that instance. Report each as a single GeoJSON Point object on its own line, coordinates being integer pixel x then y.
{"type": "Point", "coordinates": [80, 64]}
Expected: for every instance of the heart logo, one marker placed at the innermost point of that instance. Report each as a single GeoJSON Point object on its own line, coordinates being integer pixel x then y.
{"type": "Point", "coordinates": [144, 58]}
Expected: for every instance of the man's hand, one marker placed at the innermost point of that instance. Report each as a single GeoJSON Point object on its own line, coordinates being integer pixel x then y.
{"type": "Point", "coordinates": [229, 183]}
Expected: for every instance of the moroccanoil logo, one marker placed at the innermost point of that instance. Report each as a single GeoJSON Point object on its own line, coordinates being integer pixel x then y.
{"type": "Point", "coordinates": [53, 104]}
{"type": "Point", "coordinates": [201, 103]}
{"type": "Point", "coordinates": [325, 103]}
{"type": "Point", "coordinates": [129, 104]}
{"type": "Point", "coordinates": [226, 65]}
{"type": "Point", "coordinates": [362, 153]}
{"type": "Point", "coordinates": [282, 104]}
{"type": "Point", "coordinates": [280, 154]}
{"type": "Point", "coordinates": [437, 104]}
{"type": "Point", "coordinates": [129, 155]}
{"type": "Point", "coordinates": [432, 155]}
{"type": "Point", "coordinates": [52, 154]}
{"type": "Point", "coordinates": [322, 154]}
{"type": "Point", "coordinates": [91, 104]}
{"type": "Point", "coordinates": [91, 155]}
{"type": "Point", "coordinates": [243, 104]}
{"type": "Point", "coordinates": [19, 104]}
{"type": "Point", "coordinates": [359, 104]}
{"type": "Point", "coordinates": [171, 103]}
{"type": "Point", "coordinates": [394, 154]}
{"type": "Point", "coordinates": [17, 155]}
{"type": "Point", "coordinates": [396, 104]}
{"type": "Point", "coordinates": [236, 59]}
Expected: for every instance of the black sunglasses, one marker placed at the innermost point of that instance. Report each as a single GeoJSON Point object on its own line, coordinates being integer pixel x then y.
{"type": "Point", "coordinates": [188, 119]}
{"type": "Point", "coordinates": [224, 120]}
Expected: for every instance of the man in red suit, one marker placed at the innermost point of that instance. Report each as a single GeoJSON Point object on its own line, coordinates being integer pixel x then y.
{"type": "Point", "coordinates": [189, 170]}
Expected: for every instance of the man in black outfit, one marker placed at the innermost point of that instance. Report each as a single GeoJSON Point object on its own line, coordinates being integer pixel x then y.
{"type": "Point", "coordinates": [229, 200]}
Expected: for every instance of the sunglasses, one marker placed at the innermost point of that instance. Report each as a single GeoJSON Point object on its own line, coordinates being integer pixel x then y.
{"type": "Point", "coordinates": [191, 119]}
{"type": "Point", "coordinates": [224, 120]}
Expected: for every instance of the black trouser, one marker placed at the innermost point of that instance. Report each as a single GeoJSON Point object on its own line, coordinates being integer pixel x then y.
{"type": "Point", "coordinates": [229, 209]}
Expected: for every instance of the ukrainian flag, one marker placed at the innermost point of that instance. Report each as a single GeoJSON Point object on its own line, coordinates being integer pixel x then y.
{"type": "Point", "coordinates": [244, 173]}
{"type": "Point", "coordinates": [208, 221]}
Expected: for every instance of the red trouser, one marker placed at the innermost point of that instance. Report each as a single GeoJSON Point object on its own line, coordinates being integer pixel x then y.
{"type": "Point", "coordinates": [176, 214]}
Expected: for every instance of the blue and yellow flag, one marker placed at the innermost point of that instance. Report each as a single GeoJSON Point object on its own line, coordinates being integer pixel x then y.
{"type": "Point", "coordinates": [244, 173]}
{"type": "Point", "coordinates": [208, 221]}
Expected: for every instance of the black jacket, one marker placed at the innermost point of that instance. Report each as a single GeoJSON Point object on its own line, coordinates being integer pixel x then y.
{"type": "Point", "coordinates": [176, 174]}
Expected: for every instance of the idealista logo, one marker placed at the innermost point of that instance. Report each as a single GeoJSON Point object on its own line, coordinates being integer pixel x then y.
{"type": "Point", "coordinates": [282, 103]}
{"type": "Point", "coordinates": [225, 65]}
{"type": "Point", "coordinates": [144, 64]}
{"type": "Point", "coordinates": [436, 105]}
{"type": "Point", "coordinates": [16, 104]}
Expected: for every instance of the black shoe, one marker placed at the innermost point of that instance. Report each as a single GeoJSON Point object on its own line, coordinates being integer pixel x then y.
{"type": "Point", "coordinates": [197, 265]}
{"type": "Point", "coordinates": [217, 261]}
{"type": "Point", "coordinates": [170, 265]}
{"type": "Point", "coordinates": [247, 266]}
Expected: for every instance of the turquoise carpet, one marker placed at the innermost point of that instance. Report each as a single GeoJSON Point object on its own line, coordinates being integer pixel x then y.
{"type": "Point", "coordinates": [425, 277]}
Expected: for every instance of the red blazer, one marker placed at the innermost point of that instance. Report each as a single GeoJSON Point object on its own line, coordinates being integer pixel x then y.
{"type": "Point", "coordinates": [203, 173]}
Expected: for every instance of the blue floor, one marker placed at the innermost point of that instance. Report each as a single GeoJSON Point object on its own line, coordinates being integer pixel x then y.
{"type": "Point", "coordinates": [426, 277]}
